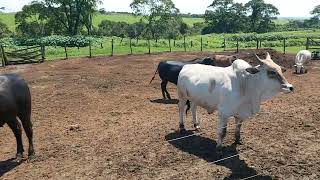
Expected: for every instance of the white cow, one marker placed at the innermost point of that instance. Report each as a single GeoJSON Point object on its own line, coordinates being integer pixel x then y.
{"type": "Point", "coordinates": [302, 58]}
{"type": "Point", "coordinates": [237, 91]}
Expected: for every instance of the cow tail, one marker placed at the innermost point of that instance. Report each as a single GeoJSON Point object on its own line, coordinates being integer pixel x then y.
{"type": "Point", "coordinates": [154, 75]}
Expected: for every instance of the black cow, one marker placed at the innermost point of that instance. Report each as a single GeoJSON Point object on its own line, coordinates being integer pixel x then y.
{"type": "Point", "coordinates": [169, 72]}
{"type": "Point", "coordinates": [15, 101]}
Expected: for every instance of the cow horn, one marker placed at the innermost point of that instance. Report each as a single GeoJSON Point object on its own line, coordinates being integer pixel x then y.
{"type": "Point", "coordinates": [260, 60]}
{"type": "Point", "coordinates": [268, 56]}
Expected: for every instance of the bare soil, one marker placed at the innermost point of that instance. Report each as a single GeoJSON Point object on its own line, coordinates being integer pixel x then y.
{"type": "Point", "coordinates": [99, 119]}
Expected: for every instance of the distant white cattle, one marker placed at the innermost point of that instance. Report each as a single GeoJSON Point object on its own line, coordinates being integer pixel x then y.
{"type": "Point", "coordinates": [302, 58]}
{"type": "Point", "coordinates": [237, 90]}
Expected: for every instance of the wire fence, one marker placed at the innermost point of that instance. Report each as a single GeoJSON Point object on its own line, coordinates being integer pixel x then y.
{"type": "Point", "coordinates": [116, 46]}
{"type": "Point", "coordinates": [237, 155]}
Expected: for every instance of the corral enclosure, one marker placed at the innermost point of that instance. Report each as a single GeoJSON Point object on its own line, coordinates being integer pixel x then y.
{"type": "Point", "coordinates": [99, 119]}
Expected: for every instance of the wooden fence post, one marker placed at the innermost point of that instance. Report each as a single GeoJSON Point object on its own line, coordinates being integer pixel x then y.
{"type": "Point", "coordinates": [112, 47]}
{"type": "Point", "coordinates": [43, 52]}
{"type": "Point", "coordinates": [260, 44]}
{"type": "Point", "coordinates": [191, 43]}
{"type": "Point", "coordinates": [184, 43]}
{"type": "Point", "coordinates": [307, 43]}
{"type": "Point", "coordinates": [170, 44]}
{"type": "Point", "coordinates": [201, 44]}
{"type": "Point", "coordinates": [65, 51]}
{"type": "Point", "coordinates": [3, 56]}
{"type": "Point", "coordinates": [284, 46]}
{"type": "Point", "coordinates": [90, 53]}
{"type": "Point", "coordinates": [149, 46]}
{"type": "Point", "coordinates": [224, 44]}
{"type": "Point", "coordinates": [101, 45]}
{"type": "Point", "coordinates": [130, 46]}
{"type": "Point", "coordinates": [237, 45]}
{"type": "Point", "coordinates": [257, 43]}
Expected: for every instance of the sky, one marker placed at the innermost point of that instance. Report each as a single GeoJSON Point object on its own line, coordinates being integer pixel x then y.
{"type": "Point", "coordinates": [287, 8]}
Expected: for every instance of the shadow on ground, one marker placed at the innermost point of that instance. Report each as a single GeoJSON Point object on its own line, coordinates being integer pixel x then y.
{"type": "Point", "coordinates": [165, 101]}
{"type": "Point", "coordinates": [205, 148]}
{"type": "Point", "coordinates": [8, 165]}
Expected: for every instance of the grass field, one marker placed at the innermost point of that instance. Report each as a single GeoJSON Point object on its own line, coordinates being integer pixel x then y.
{"type": "Point", "coordinates": [8, 18]}
{"type": "Point", "coordinates": [211, 42]}
{"type": "Point", "coordinates": [123, 49]}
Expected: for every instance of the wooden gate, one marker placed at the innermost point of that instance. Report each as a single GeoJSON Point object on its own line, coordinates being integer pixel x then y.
{"type": "Point", "coordinates": [33, 54]}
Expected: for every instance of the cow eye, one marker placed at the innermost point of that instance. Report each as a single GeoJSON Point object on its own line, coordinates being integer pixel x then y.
{"type": "Point", "coordinates": [272, 74]}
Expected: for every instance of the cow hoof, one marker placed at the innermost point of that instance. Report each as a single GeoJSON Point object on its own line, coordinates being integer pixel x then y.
{"type": "Point", "coordinates": [19, 158]}
{"type": "Point", "coordinates": [31, 154]}
{"type": "Point", "coordinates": [197, 128]}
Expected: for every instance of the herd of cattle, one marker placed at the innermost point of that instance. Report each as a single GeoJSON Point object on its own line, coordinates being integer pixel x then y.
{"type": "Point", "coordinates": [224, 83]}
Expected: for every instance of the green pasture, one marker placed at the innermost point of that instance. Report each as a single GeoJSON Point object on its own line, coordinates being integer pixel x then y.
{"type": "Point", "coordinates": [8, 18]}
{"type": "Point", "coordinates": [142, 48]}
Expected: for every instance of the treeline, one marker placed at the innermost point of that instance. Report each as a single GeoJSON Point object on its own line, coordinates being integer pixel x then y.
{"type": "Point", "coordinates": [226, 16]}
{"type": "Point", "coordinates": [295, 25]}
{"type": "Point", "coordinates": [159, 19]}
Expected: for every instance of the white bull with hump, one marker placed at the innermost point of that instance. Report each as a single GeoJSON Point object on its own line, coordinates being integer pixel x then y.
{"type": "Point", "coordinates": [302, 58]}
{"type": "Point", "coordinates": [237, 91]}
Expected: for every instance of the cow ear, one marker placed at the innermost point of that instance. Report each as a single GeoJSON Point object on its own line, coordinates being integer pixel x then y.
{"type": "Point", "coordinates": [252, 70]}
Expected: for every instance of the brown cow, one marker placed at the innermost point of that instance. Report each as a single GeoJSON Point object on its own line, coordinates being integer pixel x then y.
{"type": "Point", "coordinates": [223, 60]}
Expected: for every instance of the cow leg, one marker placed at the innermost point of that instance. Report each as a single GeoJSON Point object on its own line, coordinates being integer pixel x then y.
{"type": "Point", "coordinates": [195, 121]}
{"type": "Point", "coordinates": [237, 132]}
{"type": "Point", "coordinates": [15, 126]}
{"type": "Point", "coordinates": [181, 106]}
{"type": "Point", "coordinates": [222, 129]}
{"type": "Point", "coordinates": [27, 126]}
{"type": "Point", "coordinates": [164, 90]}
{"type": "Point", "coordinates": [165, 93]}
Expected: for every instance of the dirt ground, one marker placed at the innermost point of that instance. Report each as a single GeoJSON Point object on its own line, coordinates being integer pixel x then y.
{"type": "Point", "coordinates": [99, 119]}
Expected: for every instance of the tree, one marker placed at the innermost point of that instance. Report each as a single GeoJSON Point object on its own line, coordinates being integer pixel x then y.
{"type": "Point", "coordinates": [316, 12]}
{"type": "Point", "coordinates": [60, 16]}
{"type": "Point", "coordinates": [32, 20]}
{"type": "Point", "coordinates": [4, 30]}
{"type": "Point", "coordinates": [105, 28]}
{"type": "Point", "coordinates": [158, 14]}
{"type": "Point", "coordinates": [72, 14]}
{"type": "Point", "coordinates": [225, 16]}
{"type": "Point", "coordinates": [183, 29]}
{"type": "Point", "coordinates": [136, 30]}
{"type": "Point", "coordinates": [102, 11]}
{"type": "Point", "coordinates": [261, 16]}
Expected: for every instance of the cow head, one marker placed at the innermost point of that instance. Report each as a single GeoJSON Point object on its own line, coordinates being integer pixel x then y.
{"type": "Point", "coordinates": [271, 74]}
{"type": "Point", "coordinates": [298, 67]}
{"type": "Point", "coordinates": [208, 61]}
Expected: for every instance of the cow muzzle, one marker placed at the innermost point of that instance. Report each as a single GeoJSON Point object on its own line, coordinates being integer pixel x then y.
{"type": "Point", "coordinates": [287, 88]}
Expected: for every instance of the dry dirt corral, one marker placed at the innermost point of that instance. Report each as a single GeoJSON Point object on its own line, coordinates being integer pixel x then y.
{"type": "Point", "coordinates": [99, 119]}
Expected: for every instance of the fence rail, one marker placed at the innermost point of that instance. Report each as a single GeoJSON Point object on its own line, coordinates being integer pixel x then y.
{"type": "Point", "coordinates": [128, 46]}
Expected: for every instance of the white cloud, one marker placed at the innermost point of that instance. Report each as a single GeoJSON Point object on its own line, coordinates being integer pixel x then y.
{"type": "Point", "coordinates": [293, 8]}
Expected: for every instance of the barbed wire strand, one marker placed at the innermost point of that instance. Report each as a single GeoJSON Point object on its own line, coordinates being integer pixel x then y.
{"type": "Point", "coordinates": [283, 166]}
{"type": "Point", "coordinates": [195, 134]}
{"type": "Point", "coordinates": [230, 157]}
